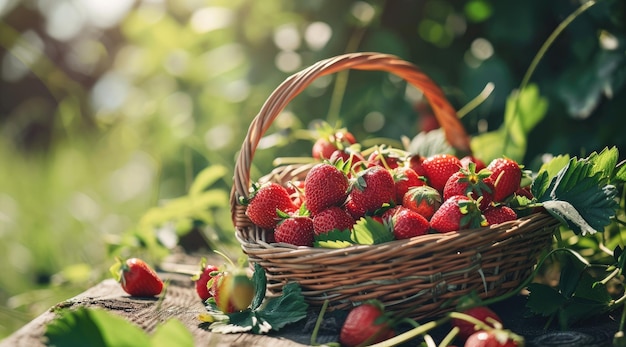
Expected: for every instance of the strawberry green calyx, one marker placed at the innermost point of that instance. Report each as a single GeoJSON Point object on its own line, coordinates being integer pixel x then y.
{"type": "Point", "coordinates": [472, 216]}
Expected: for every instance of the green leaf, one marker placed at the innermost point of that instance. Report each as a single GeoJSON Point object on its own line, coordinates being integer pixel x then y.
{"type": "Point", "coordinates": [172, 333]}
{"type": "Point", "coordinates": [604, 163]}
{"type": "Point", "coordinates": [572, 270]}
{"type": "Point", "coordinates": [621, 173]}
{"type": "Point", "coordinates": [206, 178]}
{"type": "Point", "coordinates": [334, 239]}
{"type": "Point", "coordinates": [367, 231]}
{"type": "Point", "coordinates": [578, 196]}
{"type": "Point", "coordinates": [93, 327]}
{"type": "Point", "coordinates": [524, 110]}
{"type": "Point", "coordinates": [260, 285]}
{"type": "Point", "coordinates": [288, 308]}
{"type": "Point", "coordinates": [578, 309]}
{"type": "Point", "coordinates": [544, 300]}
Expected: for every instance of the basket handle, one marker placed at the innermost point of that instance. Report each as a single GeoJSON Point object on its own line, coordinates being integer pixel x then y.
{"type": "Point", "coordinates": [296, 83]}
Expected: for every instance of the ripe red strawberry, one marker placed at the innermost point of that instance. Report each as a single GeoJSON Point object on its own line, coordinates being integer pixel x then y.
{"type": "Point", "coordinates": [202, 278]}
{"type": "Point", "coordinates": [365, 325]}
{"type": "Point", "coordinates": [499, 214]}
{"type": "Point", "coordinates": [457, 213]}
{"type": "Point", "coordinates": [424, 200]}
{"type": "Point", "coordinates": [354, 210]}
{"type": "Point", "coordinates": [295, 230]}
{"type": "Point", "coordinates": [439, 168]}
{"type": "Point", "coordinates": [405, 178]}
{"type": "Point", "coordinates": [415, 163]}
{"type": "Point", "coordinates": [506, 175]}
{"type": "Point", "coordinates": [494, 338]}
{"type": "Point", "coordinates": [330, 142]}
{"type": "Point", "coordinates": [372, 188]}
{"type": "Point", "coordinates": [264, 203]}
{"type": "Point", "coordinates": [481, 313]}
{"type": "Point", "coordinates": [332, 218]}
{"type": "Point", "coordinates": [137, 278]}
{"type": "Point", "coordinates": [405, 223]}
{"type": "Point", "coordinates": [467, 181]}
{"type": "Point", "coordinates": [296, 192]}
{"type": "Point", "coordinates": [324, 186]}
{"type": "Point", "coordinates": [232, 291]}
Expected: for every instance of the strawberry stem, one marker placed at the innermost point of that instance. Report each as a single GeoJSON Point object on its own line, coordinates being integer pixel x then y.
{"type": "Point", "coordinates": [406, 336]}
{"type": "Point", "coordinates": [318, 323]}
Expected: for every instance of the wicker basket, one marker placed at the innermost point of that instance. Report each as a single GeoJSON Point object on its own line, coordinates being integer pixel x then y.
{"type": "Point", "coordinates": [420, 277]}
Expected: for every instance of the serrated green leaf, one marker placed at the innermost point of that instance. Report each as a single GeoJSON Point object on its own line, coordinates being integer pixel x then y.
{"type": "Point", "coordinates": [572, 270]}
{"type": "Point", "coordinates": [334, 239]}
{"type": "Point", "coordinates": [578, 196]}
{"type": "Point", "coordinates": [620, 175]}
{"type": "Point", "coordinates": [367, 231]}
{"type": "Point", "coordinates": [206, 178]}
{"type": "Point", "coordinates": [578, 309]}
{"type": "Point", "coordinates": [288, 308]}
{"type": "Point", "coordinates": [93, 327]}
{"type": "Point", "coordinates": [604, 163]}
{"type": "Point", "coordinates": [544, 300]}
{"type": "Point", "coordinates": [172, 333]}
{"type": "Point", "coordinates": [260, 285]}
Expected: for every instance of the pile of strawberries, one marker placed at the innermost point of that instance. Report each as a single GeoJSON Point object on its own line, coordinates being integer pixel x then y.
{"type": "Point", "coordinates": [409, 194]}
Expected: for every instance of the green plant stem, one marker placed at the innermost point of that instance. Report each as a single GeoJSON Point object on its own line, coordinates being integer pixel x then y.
{"type": "Point", "coordinates": [475, 102]}
{"type": "Point", "coordinates": [318, 323]}
{"type": "Point", "coordinates": [540, 54]}
{"type": "Point", "coordinates": [406, 336]}
{"type": "Point", "coordinates": [447, 340]}
{"type": "Point", "coordinates": [622, 320]}
{"type": "Point", "coordinates": [528, 280]}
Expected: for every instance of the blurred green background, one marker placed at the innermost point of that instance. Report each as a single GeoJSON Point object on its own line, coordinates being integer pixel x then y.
{"type": "Point", "coordinates": [120, 120]}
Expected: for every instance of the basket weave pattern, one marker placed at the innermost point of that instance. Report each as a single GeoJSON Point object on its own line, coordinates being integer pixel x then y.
{"type": "Point", "coordinates": [420, 277]}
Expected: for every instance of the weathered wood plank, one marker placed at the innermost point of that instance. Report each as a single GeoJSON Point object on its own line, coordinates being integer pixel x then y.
{"type": "Point", "coordinates": [179, 302]}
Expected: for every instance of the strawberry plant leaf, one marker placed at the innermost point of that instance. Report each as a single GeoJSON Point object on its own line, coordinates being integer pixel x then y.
{"type": "Point", "coordinates": [273, 314]}
{"type": "Point", "coordinates": [334, 239]}
{"type": "Point", "coordinates": [288, 308]}
{"type": "Point", "coordinates": [171, 333]}
{"type": "Point", "coordinates": [620, 175]}
{"type": "Point", "coordinates": [96, 327]}
{"type": "Point", "coordinates": [260, 285]}
{"type": "Point", "coordinates": [367, 231]}
{"type": "Point", "coordinates": [544, 300]}
{"type": "Point", "coordinates": [578, 195]}
{"type": "Point", "coordinates": [604, 162]}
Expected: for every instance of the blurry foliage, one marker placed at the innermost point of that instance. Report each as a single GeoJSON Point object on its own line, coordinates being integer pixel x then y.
{"type": "Point", "coordinates": [120, 120]}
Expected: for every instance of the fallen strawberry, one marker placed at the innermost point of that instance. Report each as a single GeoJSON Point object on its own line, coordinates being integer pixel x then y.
{"type": "Point", "coordinates": [232, 291]}
{"type": "Point", "coordinates": [480, 313]}
{"type": "Point", "coordinates": [365, 324]}
{"type": "Point", "coordinates": [136, 277]}
{"type": "Point", "coordinates": [202, 278]}
{"type": "Point", "coordinates": [494, 338]}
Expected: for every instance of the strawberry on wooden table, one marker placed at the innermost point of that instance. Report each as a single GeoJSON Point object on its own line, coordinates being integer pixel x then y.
{"type": "Point", "coordinates": [136, 277]}
{"type": "Point", "coordinates": [264, 203]}
{"type": "Point", "coordinates": [232, 290]}
{"type": "Point", "coordinates": [203, 277]}
{"type": "Point", "coordinates": [365, 324]}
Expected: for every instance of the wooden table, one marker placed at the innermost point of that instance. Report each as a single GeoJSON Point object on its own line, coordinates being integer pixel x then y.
{"type": "Point", "coordinates": [181, 302]}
